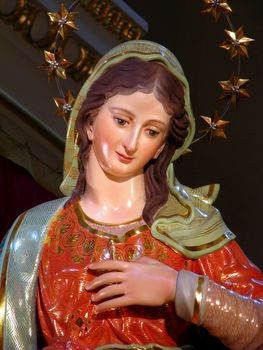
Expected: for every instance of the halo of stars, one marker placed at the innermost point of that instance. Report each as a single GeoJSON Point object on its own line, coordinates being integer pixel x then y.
{"type": "Point", "coordinates": [236, 44]}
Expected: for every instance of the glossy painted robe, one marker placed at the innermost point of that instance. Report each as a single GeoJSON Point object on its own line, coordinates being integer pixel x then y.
{"type": "Point", "coordinates": [66, 310]}
{"type": "Point", "coordinates": [20, 264]}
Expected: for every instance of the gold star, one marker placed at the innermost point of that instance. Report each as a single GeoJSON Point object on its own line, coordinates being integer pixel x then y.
{"type": "Point", "coordinates": [236, 43]}
{"type": "Point", "coordinates": [233, 89]}
{"type": "Point", "coordinates": [63, 19]}
{"type": "Point", "coordinates": [64, 105]}
{"type": "Point", "coordinates": [216, 7]}
{"type": "Point", "coordinates": [215, 127]}
{"type": "Point", "coordinates": [55, 65]}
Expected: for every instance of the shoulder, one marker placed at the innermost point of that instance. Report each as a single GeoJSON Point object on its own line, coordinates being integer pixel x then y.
{"type": "Point", "coordinates": [46, 207]}
{"type": "Point", "coordinates": [40, 213]}
{"type": "Point", "coordinates": [35, 219]}
{"type": "Point", "coordinates": [189, 223]}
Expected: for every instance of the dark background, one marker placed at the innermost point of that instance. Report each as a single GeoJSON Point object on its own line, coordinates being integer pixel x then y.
{"type": "Point", "coordinates": [235, 163]}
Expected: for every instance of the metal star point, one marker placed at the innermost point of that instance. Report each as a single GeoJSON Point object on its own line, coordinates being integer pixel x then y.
{"type": "Point", "coordinates": [234, 88]}
{"type": "Point", "coordinates": [63, 19]}
{"type": "Point", "coordinates": [55, 65]}
{"type": "Point", "coordinates": [64, 105]}
{"type": "Point", "coordinates": [236, 43]}
{"type": "Point", "coordinates": [215, 126]}
{"type": "Point", "coordinates": [216, 8]}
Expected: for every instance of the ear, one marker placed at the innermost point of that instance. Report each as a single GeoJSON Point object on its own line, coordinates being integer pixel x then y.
{"type": "Point", "coordinates": [89, 131]}
{"type": "Point", "coordinates": [159, 151]}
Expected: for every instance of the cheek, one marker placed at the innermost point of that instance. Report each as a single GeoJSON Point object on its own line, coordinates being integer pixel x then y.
{"type": "Point", "coordinates": [103, 143]}
{"type": "Point", "coordinates": [150, 149]}
{"type": "Point", "coordinates": [104, 132]}
{"type": "Point", "coordinates": [103, 138]}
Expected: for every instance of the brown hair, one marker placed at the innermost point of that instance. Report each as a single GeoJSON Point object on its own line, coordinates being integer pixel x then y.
{"type": "Point", "coordinates": [126, 77]}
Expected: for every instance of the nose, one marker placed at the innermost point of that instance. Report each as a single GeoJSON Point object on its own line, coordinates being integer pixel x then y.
{"type": "Point", "coordinates": [131, 141]}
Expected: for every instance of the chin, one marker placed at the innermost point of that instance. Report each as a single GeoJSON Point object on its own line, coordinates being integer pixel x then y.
{"type": "Point", "coordinates": [121, 174]}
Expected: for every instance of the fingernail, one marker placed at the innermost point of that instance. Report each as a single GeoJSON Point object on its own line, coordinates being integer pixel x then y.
{"type": "Point", "coordinates": [89, 285]}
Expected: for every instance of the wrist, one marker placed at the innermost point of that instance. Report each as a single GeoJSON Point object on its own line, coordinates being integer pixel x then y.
{"type": "Point", "coordinates": [190, 296]}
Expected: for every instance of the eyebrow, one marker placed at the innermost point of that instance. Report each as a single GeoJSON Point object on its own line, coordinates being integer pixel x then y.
{"type": "Point", "coordinates": [132, 115]}
{"type": "Point", "coordinates": [156, 121]}
{"type": "Point", "coordinates": [121, 109]}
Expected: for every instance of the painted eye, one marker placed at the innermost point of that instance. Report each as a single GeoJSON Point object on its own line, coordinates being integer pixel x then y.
{"type": "Point", "coordinates": [120, 121]}
{"type": "Point", "coordinates": [153, 133]}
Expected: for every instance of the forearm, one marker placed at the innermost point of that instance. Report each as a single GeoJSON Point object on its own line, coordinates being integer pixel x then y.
{"type": "Point", "coordinates": [236, 320]}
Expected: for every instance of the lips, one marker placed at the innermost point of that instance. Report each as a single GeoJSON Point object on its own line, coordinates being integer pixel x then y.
{"type": "Point", "coordinates": [123, 158]}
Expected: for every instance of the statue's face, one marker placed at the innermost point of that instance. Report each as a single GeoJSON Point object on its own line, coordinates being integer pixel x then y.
{"type": "Point", "coordinates": [128, 132]}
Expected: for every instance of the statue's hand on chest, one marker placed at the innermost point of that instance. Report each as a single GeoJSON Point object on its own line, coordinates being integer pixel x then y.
{"type": "Point", "coordinates": [142, 282]}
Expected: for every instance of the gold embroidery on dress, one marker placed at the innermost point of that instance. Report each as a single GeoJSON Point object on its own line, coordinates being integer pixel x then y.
{"type": "Point", "coordinates": [86, 244]}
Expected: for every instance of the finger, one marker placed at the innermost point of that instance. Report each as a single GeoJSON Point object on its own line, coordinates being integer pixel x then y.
{"type": "Point", "coordinates": [146, 260]}
{"type": "Point", "coordinates": [109, 292]}
{"type": "Point", "coordinates": [109, 265]}
{"type": "Point", "coordinates": [113, 303]}
{"type": "Point", "coordinates": [105, 278]}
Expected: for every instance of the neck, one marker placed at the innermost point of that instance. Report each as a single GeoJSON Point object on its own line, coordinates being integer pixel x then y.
{"type": "Point", "coordinates": [107, 199]}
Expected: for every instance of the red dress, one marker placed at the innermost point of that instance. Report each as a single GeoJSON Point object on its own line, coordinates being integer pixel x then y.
{"type": "Point", "coordinates": [66, 313]}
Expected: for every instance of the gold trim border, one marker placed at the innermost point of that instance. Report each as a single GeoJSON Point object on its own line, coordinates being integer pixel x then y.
{"type": "Point", "coordinates": [206, 245]}
{"type": "Point", "coordinates": [87, 218]}
{"type": "Point", "coordinates": [198, 299]}
{"type": "Point", "coordinates": [114, 238]}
